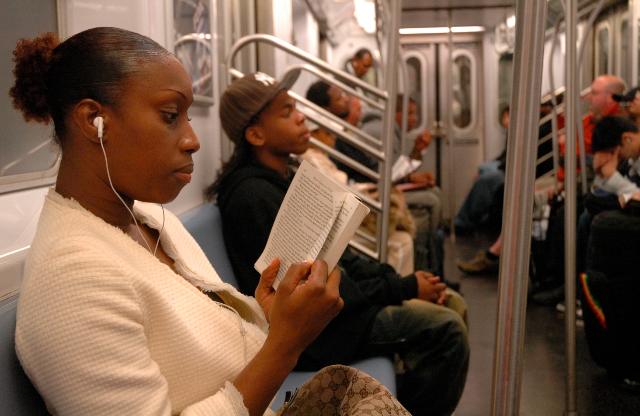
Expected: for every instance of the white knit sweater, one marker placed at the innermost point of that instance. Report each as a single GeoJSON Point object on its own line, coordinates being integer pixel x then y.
{"type": "Point", "coordinates": [104, 327]}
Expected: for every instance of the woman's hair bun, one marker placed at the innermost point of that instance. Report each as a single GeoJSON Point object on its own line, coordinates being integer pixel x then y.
{"type": "Point", "coordinates": [32, 59]}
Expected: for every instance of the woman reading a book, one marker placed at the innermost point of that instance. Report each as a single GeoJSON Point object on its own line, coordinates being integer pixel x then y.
{"type": "Point", "coordinates": [120, 311]}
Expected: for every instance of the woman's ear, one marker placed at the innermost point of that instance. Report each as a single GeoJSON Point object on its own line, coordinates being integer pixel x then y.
{"type": "Point", "coordinates": [255, 136]}
{"type": "Point", "coordinates": [83, 116]}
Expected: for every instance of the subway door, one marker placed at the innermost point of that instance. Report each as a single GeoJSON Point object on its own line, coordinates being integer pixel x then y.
{"type": "Point", "coordinates": [463, 149]}
{"type": "Point", "coordinates": [420, 86]}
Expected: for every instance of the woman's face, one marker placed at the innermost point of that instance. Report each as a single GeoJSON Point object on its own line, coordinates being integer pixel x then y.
{"type": "Point", "coordinates": [148, 137]}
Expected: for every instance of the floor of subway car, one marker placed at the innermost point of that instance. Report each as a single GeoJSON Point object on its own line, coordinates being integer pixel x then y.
{"type": "Point", "coordinates": [543, 382]}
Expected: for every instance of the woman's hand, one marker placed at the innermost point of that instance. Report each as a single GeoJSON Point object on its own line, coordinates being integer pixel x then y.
{"type": "Point", "coordinates": [305, 302]}
{"type": "Point", "coordinates": [265, 293]}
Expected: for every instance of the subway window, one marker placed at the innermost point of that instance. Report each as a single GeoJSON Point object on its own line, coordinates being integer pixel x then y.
{"type": "Point", "coordinates": [462, 91]}
{"type": "Point", "coordinates": [28, 155]}
{"type": "Point", "coordinates": [415, 71]}
{"type": "Point", "coordinates": [624, 50]}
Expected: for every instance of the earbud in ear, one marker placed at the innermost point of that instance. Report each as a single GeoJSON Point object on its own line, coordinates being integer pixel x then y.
{"type": "Point", "coordinates": [98, 122]}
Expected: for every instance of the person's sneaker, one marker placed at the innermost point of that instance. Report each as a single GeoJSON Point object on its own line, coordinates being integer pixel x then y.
{"type": "Point", "coordinates": [560, 307]}
{"type": "Point", "coordinates": [480, 264]}
{"type": "Point", "coordinates": [630, 384]}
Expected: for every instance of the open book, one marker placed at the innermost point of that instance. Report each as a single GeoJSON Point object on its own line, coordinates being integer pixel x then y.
{"type": "Point", "coordinates": [316, 220]}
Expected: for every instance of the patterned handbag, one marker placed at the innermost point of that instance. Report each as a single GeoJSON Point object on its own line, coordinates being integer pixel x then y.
{"type": "Point", "coordinates": [342, 390]}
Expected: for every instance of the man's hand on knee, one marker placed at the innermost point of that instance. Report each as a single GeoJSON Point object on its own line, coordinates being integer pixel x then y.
{"type": "Point", "coordinates": [430, 288]}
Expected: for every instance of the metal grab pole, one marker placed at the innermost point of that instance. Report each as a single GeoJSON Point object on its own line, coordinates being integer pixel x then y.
{"type": "Point", "coordinates": [388, 134]}
{"type": "Point", "coordinates": [570, 207]}
{"type": "Point", "coordinates": [450, 135]}
{"type": "Point", "coordinates": [516, 221]}
{"type": "Point", "coordinates": [554, 113]}
{"type": "Point", "coordinates": [405, 103]}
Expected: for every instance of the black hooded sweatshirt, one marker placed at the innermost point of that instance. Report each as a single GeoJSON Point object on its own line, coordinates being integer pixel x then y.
{"type": "Point", "coordinates": [249, 199]}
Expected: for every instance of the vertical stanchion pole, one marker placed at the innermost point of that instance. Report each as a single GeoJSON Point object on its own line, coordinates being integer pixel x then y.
{"type": "Point", "coordinates": [391, 86]}
{"type": "Point", "coordinates": [450, 138]}
{"type": "Point", "coordinates": [516, 220]}
{"type": "Point", "coordinates": [570, 206]}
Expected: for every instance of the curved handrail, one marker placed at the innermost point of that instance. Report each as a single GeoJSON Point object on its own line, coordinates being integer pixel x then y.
{"type": "Point", "coordinates": [337, 83]}
{"type": "Point", "coordinates": [378, 154]}
{"type": "Point", "coordinates": [305, 56]}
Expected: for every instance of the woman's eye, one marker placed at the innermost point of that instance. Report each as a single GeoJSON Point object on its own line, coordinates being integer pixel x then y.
{"type": "Point", "coordinates": [170, 117]}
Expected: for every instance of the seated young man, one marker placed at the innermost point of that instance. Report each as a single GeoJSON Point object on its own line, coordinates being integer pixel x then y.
{"type": "Point", "coordinates": [615, 140]}
{"type": "Point", "coordinates": [616, 154]}
{"type": "Point", "coordinates": [383, 313]}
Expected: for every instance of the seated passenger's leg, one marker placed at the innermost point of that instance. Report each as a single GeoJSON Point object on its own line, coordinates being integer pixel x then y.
{"type": "Point", "coordinates": [435, 354]}
{"type": "Point", "coordinates": [478, 202]}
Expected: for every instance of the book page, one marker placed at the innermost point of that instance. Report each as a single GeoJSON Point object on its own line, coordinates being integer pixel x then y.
{"type": "Point", "coordinates": [351, 215]}
{"type": "Point", "coordinates": [304, 220]}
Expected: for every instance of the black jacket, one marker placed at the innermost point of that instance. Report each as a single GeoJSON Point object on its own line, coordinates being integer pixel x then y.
{"type": "Point", "coordinates": [249, 199]}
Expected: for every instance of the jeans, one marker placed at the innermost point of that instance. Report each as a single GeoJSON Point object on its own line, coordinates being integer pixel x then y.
{"type": "Point", "coordinates": [481, 198]}
{"type": "Point", "coordinates": [435, 352]}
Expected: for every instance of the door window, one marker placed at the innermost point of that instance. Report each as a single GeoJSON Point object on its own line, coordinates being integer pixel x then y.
{"type": "Point", "coordinates": [414, 84]}
{"type": "Point", "coordinates": [463, 86]}
{"type": "Point", "coordinates": [624, 50]}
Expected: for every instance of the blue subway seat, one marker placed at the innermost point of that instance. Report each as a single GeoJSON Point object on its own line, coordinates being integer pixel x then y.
{"type": "Point", "coordinates": [18, 396]}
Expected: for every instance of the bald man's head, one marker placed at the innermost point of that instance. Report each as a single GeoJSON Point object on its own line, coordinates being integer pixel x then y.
{"type": "Point", "coordinates": [600, 98]}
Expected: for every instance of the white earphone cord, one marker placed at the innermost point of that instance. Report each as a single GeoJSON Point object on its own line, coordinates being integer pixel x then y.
{"type": "Point", "coordinates": [106, 164]}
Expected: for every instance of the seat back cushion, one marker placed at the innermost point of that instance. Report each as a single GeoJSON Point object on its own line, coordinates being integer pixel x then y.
{"type": "Point", "coordinates": [205, 225]}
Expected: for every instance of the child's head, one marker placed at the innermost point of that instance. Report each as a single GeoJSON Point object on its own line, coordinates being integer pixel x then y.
{"type": "Point", "coordinates": [609, 132]}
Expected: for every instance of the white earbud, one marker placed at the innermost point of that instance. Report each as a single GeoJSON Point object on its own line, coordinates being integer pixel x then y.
{"type": "Point", "coordinates": [98, 122]}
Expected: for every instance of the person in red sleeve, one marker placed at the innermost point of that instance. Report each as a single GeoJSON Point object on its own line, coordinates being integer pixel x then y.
{"type": "Point", "coordinates": [601, 104]}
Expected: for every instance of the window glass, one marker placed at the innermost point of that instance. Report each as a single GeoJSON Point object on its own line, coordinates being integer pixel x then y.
{"type": "Point", "coordinates": [25, 148]}
{"type": "Point", "coordinates": [624, 51]}
{"type": "Point", "coordinates": [505, 80]}
{"type": "Point", "coordinates": [461, 91]}
{"type": "Point", "coordinates": [603, 51]}
{"type": "Point", "coordinates": [415, 70]}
